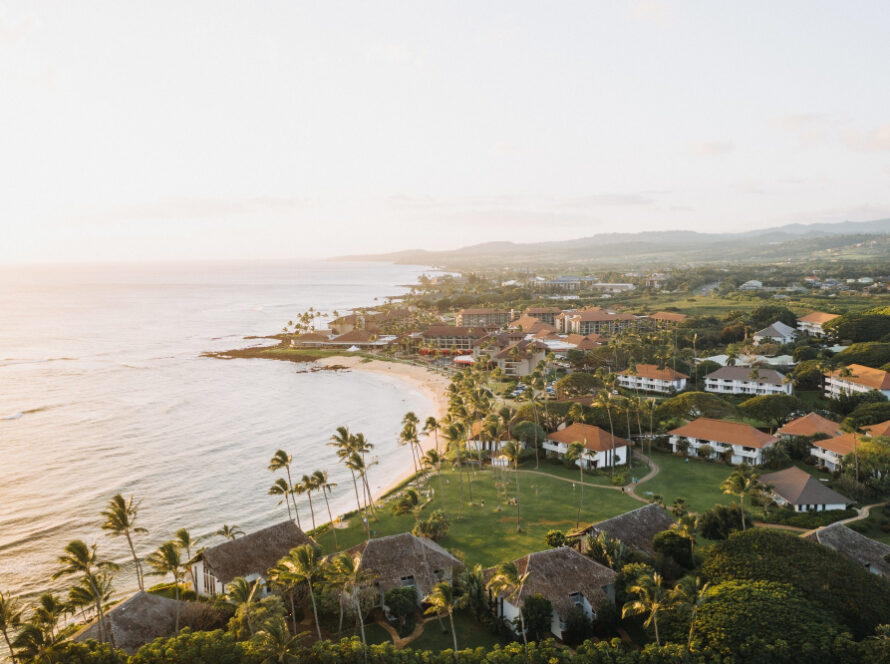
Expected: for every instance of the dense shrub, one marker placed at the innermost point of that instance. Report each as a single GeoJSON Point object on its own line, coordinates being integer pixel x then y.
{"type": "Point", "coordinates": [859, 327]}
{"type": "Point", "coordinates": [721, 521]}
{"type": "Point", "coordinates": [671, 544]}
{"type": "Point", "coordinates": [788, 517]}
{"type": "Point", "coordinates": [435, 527]}
{"type": "Point", "coordinates": [871, 354]}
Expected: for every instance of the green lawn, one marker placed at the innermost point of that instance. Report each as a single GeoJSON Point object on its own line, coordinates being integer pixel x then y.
{"type": "Point", "coordinates": [697, 481]}
{"type": "Point", "coordinates": [470, 634]}
{"type": "Point", "coordinates": [874, 526]}
{"type": "Point", "coordinates": [486, 534]}
{"type": "Point", "coordinates": [557, 468]}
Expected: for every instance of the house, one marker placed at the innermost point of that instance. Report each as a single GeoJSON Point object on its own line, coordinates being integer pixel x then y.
{"type": "Point", "coordinates": [566, 578]}
{"type": "Point", "coordinates": [856, 378]}
{"type": "Point", "coordinates": [635, 529]}
{"type": "Point", "coordinates": [667, 318]}
{"type": "Point", "coordinates": [778, 333]}
{"type": "Point", "coordinates": [403, 560]}
{"type": "Point", "coordinates": [830, 452]}
{"type": "Point", "coordinates": [485, 317]}
{"type": "Point", "coordinates": [249, 556]}
{"type": "Point", "coordinates": [452, 336]}
{"type": "Point", "coordinates": [711, 438]}
{"type": "Point", "coordinates": [545, 314]}
{"type": "Point", "coordinates": [746, 380]}
{"type": "Point", "coordinates": [361, 338]}
{"type": "Point", "coordinates": [520, 358]}
{"type": "Point", "coordinates": [812, 323]}
{"type": "Point", "coordinates": [880, 429]}
{"type": "Point", "coordinates": [612, 288]}
{"type": "Point", "coordinates": [808, 425]}
{"type": "Point", "coordinates": [752, 284]}
{"type": "Point", "coordinates": [479, 441]}
{"type": "Point", "coordinates": [803, 492]}
{"type": "Point", "coordinates": [650, 378]}
{"type": "Point", "coordinates": [601, 445]}
{"type": "Point", "coordinates": [869, 553]}
{"type": "Point", "coordinates": [138, 620]}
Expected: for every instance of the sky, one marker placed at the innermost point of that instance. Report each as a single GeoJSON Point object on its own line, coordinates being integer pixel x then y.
{"type": "Point", "coordinates": [192, 130]}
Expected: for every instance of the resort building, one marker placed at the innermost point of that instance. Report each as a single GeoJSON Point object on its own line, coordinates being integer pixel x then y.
{"type": "Point", "coordinates": [595, 321]}
{"type": "Point", "coordinates": [812, 323]}
{"type": "Point", "coordinates": [712, 438]}
{"type": "Point", "coordinates": [450, 336]}
{"type": "Point", "coordinates": [803, 492]}
{"type": "Point", "coordinates": [830, 452]}
{"type": "Point", "coordinates": [249, 556]}
{"type": "Point", "coordinates": [545, 314]}
{"type": "Point", "coordinates": [856, 378]}
{"type": "Point", "coordinates": [601, 445]}
{"type": "Point", "coordinates": [397, 561]}
{"type": "Point", "coordinates": [667, 318]}
{"type": "Point", "coordinates": [484, 317]}
{"type": "Point", "coordinates": [649, 378]}
{"type": "Point", "coordinates": [870, 554]}
{"type": "Point", "coordinates": [746, 380]}
{"type": "Point", "coordinates": [777, 333]}
{"type": "Point", "coordinates": [634, 529]}
{"type": "Point", "coordinates": [810, 424]}
{"type": "Point", "coordinates": [566, 578]}
{"type": "Point", "coordinates": [520, 359]}
{"type": "Point", "coordinates": [751, 284]}
{"type": "Point", "coordinates": [481, 440]}
{"type": "Point", "coordinates": [880, 429]}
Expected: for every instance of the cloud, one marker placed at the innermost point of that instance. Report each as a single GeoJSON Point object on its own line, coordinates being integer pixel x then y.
{"type": "Point", "coordinates": [714, 148]}
{"type": "Point", "coordinates": [805, 129]}
{"type": "Point", "coordinates": [864, 212]}
{"type": "Point", "coordinates": [176, 209]}
{"type": "Point", "coordinates": [656, 11]}
{"type": "Point", "coordinates": [874, 140]}
{"type": "Point", "coordinates": [613, 199]}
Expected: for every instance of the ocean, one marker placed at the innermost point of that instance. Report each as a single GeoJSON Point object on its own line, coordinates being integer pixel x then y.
{"type": "Point", "coordinates": [103, 390]}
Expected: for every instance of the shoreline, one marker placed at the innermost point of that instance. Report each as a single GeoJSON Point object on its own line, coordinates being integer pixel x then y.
{"type": "Point", "coordinates": [431, 384]}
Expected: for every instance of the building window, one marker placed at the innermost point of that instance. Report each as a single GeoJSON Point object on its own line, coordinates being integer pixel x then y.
{"type": "Point", "coordinates": [408, 581]}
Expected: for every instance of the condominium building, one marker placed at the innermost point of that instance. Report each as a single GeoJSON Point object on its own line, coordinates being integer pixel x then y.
{"type": "Point", "coordinates": [746, 380]}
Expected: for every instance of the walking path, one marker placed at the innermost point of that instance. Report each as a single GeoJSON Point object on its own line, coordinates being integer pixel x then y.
{"type": "Point", "coordinates": [861, 513]}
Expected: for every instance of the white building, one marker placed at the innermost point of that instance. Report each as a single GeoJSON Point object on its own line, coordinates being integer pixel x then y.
{"type": "Point", "coordinates": [803, 492]}
{"type": "Point", "coordinates": [778, 333]}
{"type": "Point", "coordinates": [601, 445]}
{"type": "Point", "coordinates": [830, 452]}
{"type": "Point", "coordinates": [753, 284]}
{"type": "Point", "coordinates": [649, 378]}
{"type": "Point", "coordinates": [249, 556]}
{"type": "Point", "coordinates": [812, 323]}
{"type": "Point", "coordinates": [754, 381]}
{"type": "Point", "coordinates": [566, 578]}
{"type": "Point", "coordinates": [856, 378]}
{"type": "Point", "coordinates": [712, 438]}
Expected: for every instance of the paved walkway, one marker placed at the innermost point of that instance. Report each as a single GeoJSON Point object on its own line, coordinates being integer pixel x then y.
{"type": "Point", "coordinates": [653, 471]}
{"type": "Point", "coordinates": [861, 513]}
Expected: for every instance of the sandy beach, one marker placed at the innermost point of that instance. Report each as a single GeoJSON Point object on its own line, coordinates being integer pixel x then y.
{"type": "Point", "coordinates": [430, 383]}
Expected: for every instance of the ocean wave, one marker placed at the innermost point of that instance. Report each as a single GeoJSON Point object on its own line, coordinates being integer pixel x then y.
{"type": "Point", "coordinates": [22, 413]}
{"type": "Point", "coordinates": [12, 361]}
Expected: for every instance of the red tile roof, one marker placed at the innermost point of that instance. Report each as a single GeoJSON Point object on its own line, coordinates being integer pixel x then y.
{"type": "Point", "coordinates": [839, 444]}
{"type": "Point", "coordinates": [817, 317]}
{"type": "Point", "coordinates": [866, 376]}
{"type": "Point", "coordinates": [722, 431]}
{"type": "Point", "coordinates": [809, 425]}
{"type": "Point", "coordinates": [594, 438]}
{"type": "Point", "coordinates": [652, 371]}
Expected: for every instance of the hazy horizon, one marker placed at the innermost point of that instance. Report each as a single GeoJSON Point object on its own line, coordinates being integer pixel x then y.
{"type": "Point", "coordinates": [166, 131]}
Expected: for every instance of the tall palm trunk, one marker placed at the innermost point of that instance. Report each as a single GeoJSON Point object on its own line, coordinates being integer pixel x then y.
{"type": "Point", "coordinates": [611, 431]}
{"type": "Point", "coordinates": [311, 509]}
{"type": "Point", "coordinates": [292, 497]}
{"type": "Point", "coordinates": [324, 492]}
{"type": "Point", "coordinates": [460, 479]}
{"type": "Point", "coordinates": [524, 635]}
{"type": "Point", "coordinates": [453, 633]}
{"type": "Point", "coordinates": [135, 561]}
{"type": "Point", "coordinates": [518, 521]}
{"type": "Point", "coordinates": [369, 500]}
{"type": "Point", "coordinates": [314, 611]}
{"type": "Point", "coordinates": [358, 502]}
{"type": "Point", "coordinates": [178, 607]}
{"type": "Point", "coordinates": [12, 656]}
{"type": "Point", "coordinates": [580, 502]}
{"type": "Point", "coordinates": [293, 611]}
{"type": "Point", "coordinates": [361, 623]}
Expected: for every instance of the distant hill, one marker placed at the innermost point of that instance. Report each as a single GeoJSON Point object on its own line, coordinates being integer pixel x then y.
{"type": "Point", "coordinates": [847, 239]}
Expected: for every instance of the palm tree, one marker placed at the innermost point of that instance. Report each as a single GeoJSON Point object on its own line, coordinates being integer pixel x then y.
{"type": "Point", "coordinates": [321, 482]}
{"type": "Point", "coordinates": [240, 592]}
{"type": "Point", "coordinates": [652, 598]}
{"type": "Point", "coordinates": [443, 600]}
{"type": "Point", "coordinates": [508, 580]}
{"type": "Point", "coordinates": [302, 565]}
{"type": "Point", "coordinates": [687, 526]}
{"type": "Point", "coordinates": [691, 592]}
{"type": "Point", "coordinates": [229, 532]}
{"type": "Point", "coordinates": [279, 460]}
{"type": "Point", "coordinates": [576, 453]}
{"type": "Point", "coordinates": [166, 560]}
{"type": "Point", "coordinates": [346, 573]}
{"type": "Point", "coordinates": [603, 399]}
{"type": "Point", "coordinates": [432, 426]}
{"type": "Point", "coordinates": [276, 645]}
{"type": "Point", "coordinates": [433, 461]}
{"type": "Point", "coordinates": [120, 519]}
{"type": "Point", "coordinates": [48, 612]}
{"type": "Point", "coordinates": [408, 436]}
{"type": "Point", "coordinates": [343, 441]}
{"type": "Point", "coordinates": [454, 435]}
{"type": "Point", "coordinates": [362, 447]}
{"type": "Point", "coordinates": [84, 560]}
{"type": "Point", "coordinates": [742, 481]}
{"type": "Point", "coordinates": [184, 540]}
{"type": "Point", "coordinates": [280, 488]}
{"type": "Point", "coordinates": [81, 595]}
{"type": "Point", "coordinates": [308, 482]}
{"type": "Point", "coordinates": [10, 620]}
{"type": "Point", "coordinates": [513, 452]}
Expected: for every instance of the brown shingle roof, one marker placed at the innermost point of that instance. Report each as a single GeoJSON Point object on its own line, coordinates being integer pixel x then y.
{"type": "Point", "coordinates": [809, 425]}
{"type": "Point", "coordinates": [355, 336]}
{"type": "Point", "coordinates": [454, 331]}
{"type": "Point", "coordinates": [768, 376]}
{"type": "Point", "coordinates": [394, 557]}
{"type": "Point", "coordinates": [635, 528]}
{"type": "Point", "coordinates": [798, 487]}
{"type": "Point", "coordinates": [254, 553]}
{"type": "Point", "coordinates": [312, 336]}
{"type": "Point", "coordinates": [840, 444]}
{"type": "Point", "coordinates": [524, 322]}
{"type": "Point", "coordinates": [866, 376]}
{"type": "Point", "coordinates": [137, 620]}
{"type": "Point", "coordinates": [855, 546]}
{"type": "Point", "coordinates": [879, 429]}
{"type": "Point", "coordinates": [722, 431]}
{"type": "Point", "coordinates": [594, 438]}
{"type": "Point", "coordinates": [817, 317]}
{"type": "Point", "coordinates": [557, 574]}
{"type": "Point", "coordinates": [652, 371]}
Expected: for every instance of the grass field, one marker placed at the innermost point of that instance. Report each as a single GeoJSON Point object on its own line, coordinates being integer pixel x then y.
{"type": "Point", "coordinates": [470, 634]}
{"type": "Point", "coordinates": [486, 534]}
{"type": "Point", "coordinates": [558, 469]}
{"type": "Point", "coordinates": [697, 481]}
